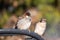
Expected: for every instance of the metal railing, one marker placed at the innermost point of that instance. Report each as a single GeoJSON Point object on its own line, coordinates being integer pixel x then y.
{"type": "Point", "coordinates": [9, 32]}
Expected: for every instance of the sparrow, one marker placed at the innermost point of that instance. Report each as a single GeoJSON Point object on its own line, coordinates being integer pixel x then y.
{"type": "Point", "coordinates": [24, 23]}
{"type": "Point", "coordinates": [40, 27]}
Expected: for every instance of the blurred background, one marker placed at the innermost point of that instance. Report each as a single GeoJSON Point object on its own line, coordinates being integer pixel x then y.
{"type": "Point", "coordinates": [50, 9]}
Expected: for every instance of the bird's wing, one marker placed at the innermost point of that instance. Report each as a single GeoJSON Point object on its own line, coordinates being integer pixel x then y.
{"type": "Point", "coordinates": [19, 18]}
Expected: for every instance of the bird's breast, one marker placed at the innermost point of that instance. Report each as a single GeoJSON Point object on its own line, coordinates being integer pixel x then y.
{"type": "Point", "coordinates": [24, 24]}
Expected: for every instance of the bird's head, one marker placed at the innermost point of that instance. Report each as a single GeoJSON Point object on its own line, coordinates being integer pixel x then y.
{"type": "Point", "coordinates": [27, 14]}
{"type": "Point", "coordinates": [43, 20]}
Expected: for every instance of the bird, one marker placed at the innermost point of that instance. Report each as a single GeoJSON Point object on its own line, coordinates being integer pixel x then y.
{"type": "Point", "coordinates": [40, 27]}
{"type": "Point", "coordinates": [24, 23]}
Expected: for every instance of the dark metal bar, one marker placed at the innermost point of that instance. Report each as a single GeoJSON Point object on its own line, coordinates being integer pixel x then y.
{"type": "Point", "coordinates": [8, 32]}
